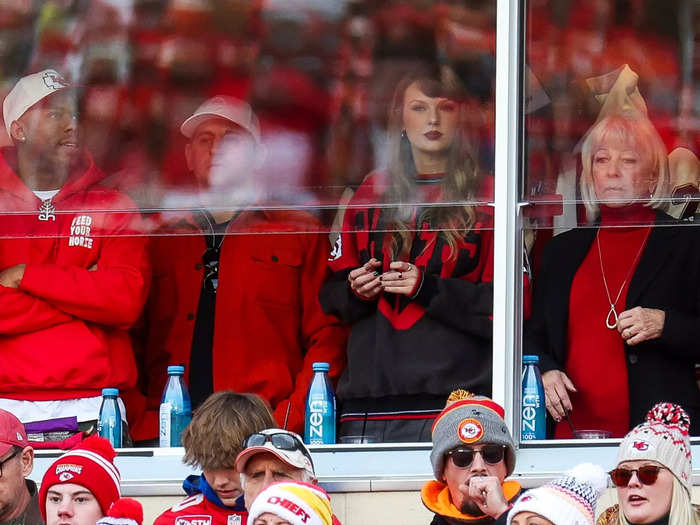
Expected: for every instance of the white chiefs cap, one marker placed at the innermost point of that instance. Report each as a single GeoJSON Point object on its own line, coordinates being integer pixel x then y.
{"type": "Point", "coordinates": [28, 91]}
{"type": "Point", "coordinates": [225, 107]}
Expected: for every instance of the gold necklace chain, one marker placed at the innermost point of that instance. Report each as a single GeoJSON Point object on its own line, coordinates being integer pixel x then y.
{"type": "Point", "coordinates": [612, 312]}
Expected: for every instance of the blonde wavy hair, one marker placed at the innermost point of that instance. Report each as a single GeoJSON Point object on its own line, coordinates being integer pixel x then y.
{"type": "Point", "coordinates": [460, 182]}
{"type": "Point", "coordinates": [638, 131]}
{"type": "Point", "coordinates": [682, 510]}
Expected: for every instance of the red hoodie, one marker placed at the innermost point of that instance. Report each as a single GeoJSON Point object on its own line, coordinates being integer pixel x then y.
{"type": "Point", "coordinates": [63, 331]}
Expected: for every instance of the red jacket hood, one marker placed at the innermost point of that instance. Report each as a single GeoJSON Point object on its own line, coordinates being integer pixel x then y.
{"type": "Point", "coordinates": [84, 176]}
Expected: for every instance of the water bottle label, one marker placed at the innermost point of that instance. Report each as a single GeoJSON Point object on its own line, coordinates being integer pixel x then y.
{"type": "Point", "coordinates": [317, 409]}
{"type": "Point", "coordinates": [531, 406]}
{"type": "Point", "coordinates": [164, 434]}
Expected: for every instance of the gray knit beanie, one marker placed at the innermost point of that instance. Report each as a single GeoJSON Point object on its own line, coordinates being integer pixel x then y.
{"type": "Point", "coordinates": [468, 419]}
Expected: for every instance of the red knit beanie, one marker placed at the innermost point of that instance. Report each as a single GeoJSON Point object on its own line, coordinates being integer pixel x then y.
{"type": "Point", "coordinates": [91, 465]}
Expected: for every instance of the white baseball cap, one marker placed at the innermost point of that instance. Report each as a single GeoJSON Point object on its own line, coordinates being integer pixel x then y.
{"type": "Point", "coordinates": [287, 446]}
{"type": "Point", "coordinates": [229, 108]}
{"type": "Point", "coordinates": [28, 91]}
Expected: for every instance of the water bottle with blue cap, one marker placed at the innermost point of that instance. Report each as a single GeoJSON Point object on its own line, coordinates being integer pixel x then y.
{"type": "Point", "coordinates": [109, 422]}
{"type": "Point", "coordinates": [175, 408]}
{"type": "Point", "coordinates": [533, 411]}
{"type": "Point", "coordinates": [319, 427]}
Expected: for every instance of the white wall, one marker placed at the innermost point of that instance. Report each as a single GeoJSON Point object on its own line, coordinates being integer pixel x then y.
{"type": "Point", "coordinates": [369, 508]}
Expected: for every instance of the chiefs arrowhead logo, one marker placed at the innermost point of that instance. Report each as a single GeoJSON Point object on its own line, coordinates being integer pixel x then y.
{"type": "Point", "coordinates": [54, 81]}
{"type": "Point", "coordinates": [641, 445]}
{"type": "Point", "coordinates": [470, 430]}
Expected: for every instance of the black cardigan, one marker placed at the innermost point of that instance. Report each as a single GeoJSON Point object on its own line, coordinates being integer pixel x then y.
{"type": "Point", "coordinates": [667, 278]}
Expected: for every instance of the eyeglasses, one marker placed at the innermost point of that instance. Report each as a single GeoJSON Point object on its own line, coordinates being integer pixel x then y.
{"type": "Point", "coordinates": [647, 475]}
{"type": "Point", "coordinates": [280, 440]}
{"type": "Point", "coordinates": [13, 455]}
{"type": "Point", "coordinates": [463, 457]}
{"type": "Point", "coordinates": [210, 259]}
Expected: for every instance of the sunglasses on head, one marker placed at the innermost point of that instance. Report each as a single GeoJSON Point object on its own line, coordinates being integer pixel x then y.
{"type": "Point", "coordinates": [647, 475]}
{"type": "Point", "coordinates": [463, 457]}
{"type": "Point", "coordinates": [210, 259]}
{"type": "Point", "coordinates": [279, 440]}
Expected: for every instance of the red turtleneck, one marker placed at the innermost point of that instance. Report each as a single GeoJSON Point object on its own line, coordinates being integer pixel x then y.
{"type": "Point", "coordinates": [596, 356]}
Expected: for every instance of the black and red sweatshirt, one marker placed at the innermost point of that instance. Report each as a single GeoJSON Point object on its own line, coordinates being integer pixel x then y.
{"type": "Point", "coordinates": [406, 354]}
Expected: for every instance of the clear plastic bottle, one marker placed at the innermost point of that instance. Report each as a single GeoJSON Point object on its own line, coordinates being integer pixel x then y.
{"type": "Point", "coordinates": [533, 412]}
{"type": "Point", "coordinates": [319, 427]}
{"type": "Point", "coordinates": [175, 408]}
{"type": "Point", "coordinates": [109, 422]}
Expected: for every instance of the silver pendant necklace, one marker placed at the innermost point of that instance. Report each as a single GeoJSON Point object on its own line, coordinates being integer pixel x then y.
{"type": "Point", "coordinates": [611, 318]}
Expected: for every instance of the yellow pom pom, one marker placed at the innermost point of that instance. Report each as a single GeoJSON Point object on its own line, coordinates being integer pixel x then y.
{"type": "Point", "coordinates": [459, 395]}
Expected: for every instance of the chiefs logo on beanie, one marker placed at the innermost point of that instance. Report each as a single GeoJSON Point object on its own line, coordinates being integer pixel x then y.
{"type": "Point", "coordinates": [91, 465]}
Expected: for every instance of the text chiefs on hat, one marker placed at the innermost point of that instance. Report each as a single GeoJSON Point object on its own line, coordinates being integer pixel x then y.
{"type": "Point", "coordinates": [290, 506]}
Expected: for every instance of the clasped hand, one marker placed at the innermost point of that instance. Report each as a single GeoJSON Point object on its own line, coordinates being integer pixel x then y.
{"type": "Point", "coordinates": [368, 282]}
{"type": "Point", "coordinates": [486, 493]}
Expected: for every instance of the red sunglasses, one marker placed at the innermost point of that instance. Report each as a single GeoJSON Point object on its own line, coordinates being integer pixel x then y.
{"type": "Point", "coordinates": [647, 475]}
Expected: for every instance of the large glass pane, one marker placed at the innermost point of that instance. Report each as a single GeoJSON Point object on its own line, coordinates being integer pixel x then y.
{"type": "Point", "coordinates": [611, 186]}
{"type": "Point", "coordinates": [222, 152]}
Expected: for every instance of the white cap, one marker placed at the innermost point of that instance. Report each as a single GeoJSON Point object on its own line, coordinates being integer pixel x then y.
{"type": "Point", "coordinates": [28, 91]}
{"type": "Point", "coordinates": [225, 107]}
{"type": "Point", "coordinates": [299, 458]}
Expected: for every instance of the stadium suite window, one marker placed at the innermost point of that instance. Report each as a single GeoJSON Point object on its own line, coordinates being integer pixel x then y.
{"type": "Point", "coordinates": [610, 181]}
{"type": "Point", "coordinates": [324, 136]}
{"type": "Point", "coordinates": [319, 125]}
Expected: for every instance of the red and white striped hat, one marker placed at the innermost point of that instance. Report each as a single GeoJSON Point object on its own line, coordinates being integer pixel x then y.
{"type": "Point", "coordinates": [91, 465]}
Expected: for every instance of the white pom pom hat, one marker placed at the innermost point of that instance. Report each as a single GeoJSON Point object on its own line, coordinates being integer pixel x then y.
{"type": "Point", "coordinates": [570, 500]}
